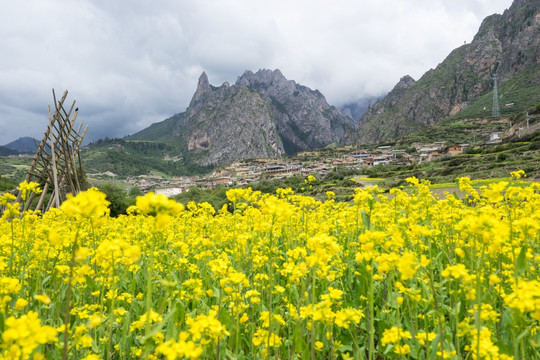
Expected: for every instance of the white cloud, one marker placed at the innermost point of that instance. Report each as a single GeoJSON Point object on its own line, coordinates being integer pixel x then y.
{"type": "Point", "coordinates": [130, 63]}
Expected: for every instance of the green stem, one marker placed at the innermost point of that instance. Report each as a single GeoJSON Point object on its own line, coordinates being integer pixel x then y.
{"type": "Point", "coordinates": [371, 323]}
{"type": "Point", "coordinates": [437, 311]}
{"type": "Point", "coordinates": [111, 315]}
{"type": "Point", "coordinates": [67, 309]}
{"type": "Point", "coordinates": [11, 257]}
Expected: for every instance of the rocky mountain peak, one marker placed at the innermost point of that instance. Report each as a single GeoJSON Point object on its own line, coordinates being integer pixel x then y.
{"type": "Point", "coordinates": [405, 82]}
{"type": "Point", "coordinates": [487, 24]}
{"type": "Point", "coordinates": [203, 89]}
{"type": "Point", "coordinates": [263, 78]}
{"type": "Point", "coordinates": [393, 96]}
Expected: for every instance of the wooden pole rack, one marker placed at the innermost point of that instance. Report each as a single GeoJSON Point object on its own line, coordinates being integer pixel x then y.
{"type": "Point", "coordinates": [57, 166]}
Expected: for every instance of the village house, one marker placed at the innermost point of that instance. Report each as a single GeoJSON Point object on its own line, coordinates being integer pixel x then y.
{"type": "Point", "coordinates": [368, 161]}
{"type": "Point", "coordinates": [322, 171]}
{"type": "Point", "coordinates": [437, 153]}
{"type": "Point", "coordinates": [428, 149]}
{"type": "Point", "coordinates": [495, 137]}
{"type": "Point", "coordinates": [439, 144]}
{"type": "Point", "coordinates": [453, 150]}
{"type": "Point", "coordinates": [306, 171]}
{"type": "Point", "coordinates": [456, 149]}
{"type": "Point", "coordinates": [275, 170]}
{"type": "Point", "coordinates": [382, 160]}
{"type": "Point", "coordinates": [245, 181]}
{"type": "Point", "coordinates": [384, 149]}
{"type": "Point", "coordinates": [212, 182]}
{"type": "Point", "coordinates": [168, 191]}
{"type": "Point", "coordinates": [399, 153]}
{"type": "Point", "coordinates": [283, 169]}
{"type": "Point", "coordinates": [359, 152]}
{"type": "Point", "coordinates": [223, 180]}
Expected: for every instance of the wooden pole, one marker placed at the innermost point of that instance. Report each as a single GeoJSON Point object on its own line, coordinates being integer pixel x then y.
{"type": "Point", "coordinates": [55, 179]}
{"type": "Point", "coordinates": [42, 197]}
{"type": "Point", "coordinates": [74, 167]}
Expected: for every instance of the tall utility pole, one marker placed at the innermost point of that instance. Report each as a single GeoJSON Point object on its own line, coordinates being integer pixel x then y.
{"type": "Point", "coordinates": [496, 111]}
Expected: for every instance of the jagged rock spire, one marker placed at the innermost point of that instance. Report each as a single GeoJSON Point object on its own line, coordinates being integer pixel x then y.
{"type": "Point", "coordinates": [203, 89]}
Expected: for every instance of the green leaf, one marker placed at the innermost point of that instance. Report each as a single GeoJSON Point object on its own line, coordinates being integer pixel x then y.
{"type": "Point", "coordinates": [90, 283]}
{"type": "Point", "coordinates": [521, 263]}
{"type": "Point", "coordinates": [345, 348]}
{"type": "Point", "coordinates": [180, 312]}
{"type": "Point", "coordinates": [157, 327]}
{"type": "Point", "coordinates": [522, 335]}
{"type": "Point", "coordinates": [294, 294]}
{"type": "Point", "coordinates": [366, 220]}
{"type": "Point", "coordinates": [462, 311]}
{"type": "Point", "coordinates": [46, 280]}
{"type": "Point", "coordinates": [388, 348]}
{"type": "Point", "coordinates": [230, 355]}
{"type": "Point", "coordinates": [2, 322]}
{"type": "Point", "coordinates": [507, 325]}
{"type": "Point", "coordinates": [434, 346]}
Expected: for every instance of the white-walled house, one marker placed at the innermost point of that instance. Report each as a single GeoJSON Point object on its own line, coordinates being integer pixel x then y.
{"type": "Point", "coordinates": [494, 136]}
{"type": "Point", "coordinates": [168, 191]}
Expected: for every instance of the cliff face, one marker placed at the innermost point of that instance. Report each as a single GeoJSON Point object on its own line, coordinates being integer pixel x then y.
{"type": "Point", "coordinates": [507, 44]}
{"type": "Point", "coordinates": [227, 123]}
{"type": "Point", "coordinates": [262, 115]}
{"type": "Point", "coordinates": [303, 118]}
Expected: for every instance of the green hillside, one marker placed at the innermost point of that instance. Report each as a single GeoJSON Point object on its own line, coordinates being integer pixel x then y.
{"type": "Point", "coordinates": [157, 131]}
{"type": "Point", "coordinates": [474, 123]}
{"type": "Point", "coordinates": [477, 163]}
{"type": "Point", "coordinates": [133, 158]}
{"type": "Point", "coordinates": [522, 91]}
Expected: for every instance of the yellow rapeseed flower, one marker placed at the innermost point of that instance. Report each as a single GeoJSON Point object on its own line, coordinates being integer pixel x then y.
{"type": "Point", "coordinates": [152, 204]}
{"type": "Point", "coordinates": [86, 204]}
{"type": "Point", "coordinates": [26, 187]}
{"type": "Point", "coordinates": [20, 303]}
{"type": "Point", "coordinates": [24, 334]}
{"type": "Point", "coordinates": [183, 348]}
{"type": "Point", "coordinates": [394, 335]}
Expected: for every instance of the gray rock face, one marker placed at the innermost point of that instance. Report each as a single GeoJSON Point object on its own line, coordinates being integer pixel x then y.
{"type": "Point", "coordinates": [228, 124]}
{"type": "Point", "coordinates": [262, 115]}
{"type": "Point", "coordinates": [302, 116]}
{"type": "Point", "coordinates": [507, 43]}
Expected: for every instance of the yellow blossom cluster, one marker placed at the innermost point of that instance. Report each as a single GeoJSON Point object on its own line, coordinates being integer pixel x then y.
{"type": "Point", "coordinates": [23, 335]}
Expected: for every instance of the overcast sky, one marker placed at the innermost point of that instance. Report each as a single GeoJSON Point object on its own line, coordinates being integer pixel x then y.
{"type": "Point", "coordinates": [130, 63]}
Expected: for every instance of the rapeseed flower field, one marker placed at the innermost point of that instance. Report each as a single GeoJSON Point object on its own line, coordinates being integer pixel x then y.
{"type": "Point", "coordinates": [397, 275]}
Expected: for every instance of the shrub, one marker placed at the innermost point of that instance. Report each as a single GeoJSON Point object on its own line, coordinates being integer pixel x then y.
{"type": "Point", "coordinates": [502, 157]}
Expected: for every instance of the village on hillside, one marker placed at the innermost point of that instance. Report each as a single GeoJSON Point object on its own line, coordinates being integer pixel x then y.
{"type": "Point", "coordinates": [305, 163]}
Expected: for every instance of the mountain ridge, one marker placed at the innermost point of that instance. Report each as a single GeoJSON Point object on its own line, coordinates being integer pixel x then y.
{"type": "Point", "coordinates": [507, 44]}
{"type": "Point", "coordinates": [23, 144]}
{"type": "Point", "coordinates": [261, 115]}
